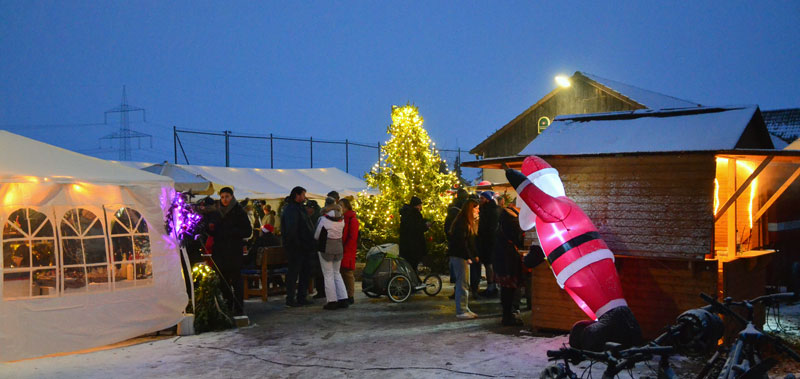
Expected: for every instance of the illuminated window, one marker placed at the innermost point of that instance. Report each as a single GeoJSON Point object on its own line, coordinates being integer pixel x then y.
{"type": "Point", "coordinates": [130, 246]}
{"type": "Point", "coordinates": [84, 258]}
{"type": "Point", "coordinates": [29, 259]}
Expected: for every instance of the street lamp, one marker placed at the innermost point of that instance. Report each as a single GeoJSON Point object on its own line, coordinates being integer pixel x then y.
{"type": "Point", "coordinates": [563, 81]}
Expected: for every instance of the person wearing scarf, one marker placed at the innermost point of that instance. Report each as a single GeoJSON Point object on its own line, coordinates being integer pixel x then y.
{"type": "Point", "coordinates": [230, 227]}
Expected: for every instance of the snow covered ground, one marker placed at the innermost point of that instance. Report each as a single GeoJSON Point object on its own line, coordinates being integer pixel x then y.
{"type": "Point", "coordinates": [373, 338]}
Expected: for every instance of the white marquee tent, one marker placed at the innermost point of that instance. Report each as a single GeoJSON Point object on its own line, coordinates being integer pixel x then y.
{"type": "Point", "coordinates": [268, 184]}
{"type": "Point", "coordinates": [86, 261]}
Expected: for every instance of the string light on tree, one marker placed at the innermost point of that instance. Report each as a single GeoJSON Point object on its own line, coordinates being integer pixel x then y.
{"type": "Point", "coordinates": [409, 166]}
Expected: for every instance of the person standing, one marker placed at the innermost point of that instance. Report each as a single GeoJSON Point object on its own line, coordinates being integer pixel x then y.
{"type": "Point", "coordinates": [230, 228]}
{"type": "Point", "coordinates": [462, 252]}
{"type": "Point", "coordinates": [350, 243]}
{"type": "Point", "coordinates": [330, 258]}
{"type": "Point", "coordinates": [412, 233]}
{"type": "Point", "coordinates": [507, 263]}
{"type": "Point", "coordinates": [317, 280]}
{"type": "Point", "coordinates": [298, 241]}
{"type": "Point", "coordinates": [487, 227]}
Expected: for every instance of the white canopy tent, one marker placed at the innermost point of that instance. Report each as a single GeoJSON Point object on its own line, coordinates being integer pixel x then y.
{"type": "Point", "coordinates": [269, 184]}
{"type": "Point", "coordinates": [184, 180]}
{"type": "Point", "coordinates": [86, 259]}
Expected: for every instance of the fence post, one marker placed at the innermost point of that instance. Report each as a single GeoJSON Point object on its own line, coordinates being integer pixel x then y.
{"type": "Point", "coordinates": [311, 145]}
{"type": "Point", "coordinates": [175, 143]}
{"type": "Point", "coordinates": [227, 148]}
{"type": "Point", "coordinates": [346, 156]}
{"type": "Point", "coordinates": [271, 165]}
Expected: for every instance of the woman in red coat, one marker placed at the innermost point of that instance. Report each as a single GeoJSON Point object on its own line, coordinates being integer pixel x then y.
{"type": "Point", "coordinates": [350, 241]}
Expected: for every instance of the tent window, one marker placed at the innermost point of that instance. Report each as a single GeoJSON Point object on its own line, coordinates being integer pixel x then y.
{"type": "Point", "coordinates": [130, 242]}
{"type": "Point", "coordinates": [29, 259]}
{"type": "Point", "coordinates": [83, 250]}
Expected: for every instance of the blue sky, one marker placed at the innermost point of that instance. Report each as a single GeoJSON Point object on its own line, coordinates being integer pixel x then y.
{"type": "Point", "coordinates": [332, 70]}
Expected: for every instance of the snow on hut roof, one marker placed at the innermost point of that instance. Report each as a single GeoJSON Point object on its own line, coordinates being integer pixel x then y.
{"type": "Point", "coordinates": [649, 99]}
{"type": "Point", "coordinates": [688, 129]}
{"type": "Point", "coordinates": [784, 123]}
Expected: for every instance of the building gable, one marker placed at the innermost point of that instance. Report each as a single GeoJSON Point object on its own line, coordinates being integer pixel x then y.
{"type": "Point", "coordinates": [587, 94]}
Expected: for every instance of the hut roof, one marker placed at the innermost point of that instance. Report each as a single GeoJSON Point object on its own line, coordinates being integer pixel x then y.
{"type": "Point", "coordinates": [647, 98]}
{"type": "Point", "coordinates": [784, 123]}
{"type": "Point", "coordinates": [687, 129]}
{"type": "Point", "coordinates": [628, 93]}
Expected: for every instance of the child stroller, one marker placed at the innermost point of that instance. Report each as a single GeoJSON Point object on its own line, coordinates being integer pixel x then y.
{"type": "Point", "coordinates": [386, 273]}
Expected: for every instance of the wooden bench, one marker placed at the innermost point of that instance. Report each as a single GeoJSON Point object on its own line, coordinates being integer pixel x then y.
{"type": "Point", "coordinates": [273, 261]}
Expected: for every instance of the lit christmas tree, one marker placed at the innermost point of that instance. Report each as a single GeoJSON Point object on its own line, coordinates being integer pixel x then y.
{"type": "Point", "coordinates": [409, 166]}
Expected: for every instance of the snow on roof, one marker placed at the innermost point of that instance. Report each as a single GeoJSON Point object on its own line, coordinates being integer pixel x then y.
{"type": "Point", "coordinates": [695, 129]}
{"type": "Point", "coordinates": [784, 123]}
{"type": "Point", "coordinates": [778, 142]}
{"type": "Point", "coordinates": [649, 99]}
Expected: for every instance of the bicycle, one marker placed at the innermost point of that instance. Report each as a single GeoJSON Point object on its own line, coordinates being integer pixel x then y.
{"type": "Point", "coordinates": [616, 360]}
{"type": "Point", "coordinates": [744, 358]}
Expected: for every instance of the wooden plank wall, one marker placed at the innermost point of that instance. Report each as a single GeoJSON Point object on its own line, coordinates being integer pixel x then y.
{"type": "Point", "coordinates": [657, 291]}
{"type": "Point", "coordinates": [580, 98]}
{"type": "Point", "coordinates": [646, 206]}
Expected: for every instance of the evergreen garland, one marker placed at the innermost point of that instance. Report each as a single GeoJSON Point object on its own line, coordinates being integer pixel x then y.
{"type": "Point", "coordinates": [211, 311]}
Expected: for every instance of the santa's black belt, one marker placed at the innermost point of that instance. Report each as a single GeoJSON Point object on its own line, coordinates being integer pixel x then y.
{"type": "Point", "coordinates": [571, 244]}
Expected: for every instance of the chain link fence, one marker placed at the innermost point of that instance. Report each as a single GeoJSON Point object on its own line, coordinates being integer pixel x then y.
{"type": "Point", "coordinates": [270, 151]}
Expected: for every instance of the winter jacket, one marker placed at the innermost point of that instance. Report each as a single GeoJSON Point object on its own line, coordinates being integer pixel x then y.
{"type": "Point", "coordinates": [229, 232]}
{"type": "Point", "coordinates": [297, 232]}
{"type": "Point", "coordinates": [462, 242]}
{"type": "Point", "coordinates": [350, 240]}
{"type": "Point", "coordinates": [412, 234]}
{"type": "Point", "coordinates": [507, 261]}
{"type": "Point", "coordinates": [333, 222]}
{"type": "Point", "coordinates": [487, 226]}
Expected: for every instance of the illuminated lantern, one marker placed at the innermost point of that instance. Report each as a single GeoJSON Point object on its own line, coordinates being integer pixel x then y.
{"type": "Point", "coordinates": [581, 261]}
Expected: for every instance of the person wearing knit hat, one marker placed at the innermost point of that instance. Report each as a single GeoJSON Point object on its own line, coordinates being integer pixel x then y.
{"type": "Point", "coordinates": [412, 232]}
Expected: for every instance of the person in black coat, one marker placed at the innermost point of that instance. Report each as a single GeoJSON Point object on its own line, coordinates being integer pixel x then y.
{"type": "Point", "coordinates": [230, 227]}
{"type": "Point", "coordinates": [487, 227]}
{"type": "Point", "coordinates": [508, 268]}
{"type": "Point", "coordinates": [297, 235]}
{"type": "Point", "coordinates": [412, 232]}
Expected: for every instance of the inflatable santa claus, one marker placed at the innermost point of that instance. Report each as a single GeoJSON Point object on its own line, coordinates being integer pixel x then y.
{"type": "Point", "coordinates": [581, 261]}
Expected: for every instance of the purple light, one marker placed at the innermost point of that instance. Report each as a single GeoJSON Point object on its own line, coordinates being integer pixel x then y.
{"type": "Point", "coordinates": [182, 220]}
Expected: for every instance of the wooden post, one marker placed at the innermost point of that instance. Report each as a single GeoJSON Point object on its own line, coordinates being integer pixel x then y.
{"type": "Point", "coordinates": [731, 215]}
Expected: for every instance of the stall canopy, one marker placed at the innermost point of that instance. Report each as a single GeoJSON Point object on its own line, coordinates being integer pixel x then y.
{"type": "Point", "coordinates": [86, 261]}
{"type": "Point", "coordinates": [266, 184]}
{"type": "Point", "coordinates": [184, 180]}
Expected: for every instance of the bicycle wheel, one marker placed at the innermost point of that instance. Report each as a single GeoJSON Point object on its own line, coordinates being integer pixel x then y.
{"type": "Point", "coordinates": [399, 288]}
{"type": "Point", "coordinates": [433, 284]}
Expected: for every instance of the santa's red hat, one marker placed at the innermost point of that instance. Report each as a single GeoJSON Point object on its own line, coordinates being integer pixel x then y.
{"type": "Point", "coordinates": [268, 228]}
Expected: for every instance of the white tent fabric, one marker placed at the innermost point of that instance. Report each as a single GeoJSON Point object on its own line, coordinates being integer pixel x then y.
{"type": "Point", "coordinates": [86, 259]}
{"type": "Point", "coordinates": [271, 184]}
{"type": "Point", "coordinates": [185, 180]}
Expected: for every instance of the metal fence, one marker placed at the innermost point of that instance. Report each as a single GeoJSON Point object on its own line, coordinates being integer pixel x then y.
{"type": "Point", "coordinates": [271, 151]}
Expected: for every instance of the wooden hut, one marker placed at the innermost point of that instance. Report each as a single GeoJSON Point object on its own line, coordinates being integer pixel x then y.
{"type": "Point", "coordinates": [682, 197]}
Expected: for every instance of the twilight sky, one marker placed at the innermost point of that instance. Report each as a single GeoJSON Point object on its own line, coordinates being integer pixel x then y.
{"type": "Point", "coordinates": [332, 70]}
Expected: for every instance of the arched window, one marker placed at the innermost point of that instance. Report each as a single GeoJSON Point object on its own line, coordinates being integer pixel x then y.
{"type": "Point", "coordinates": [29, 258]}
{"type": "Point", "coordinates": [130, 246]}
{"type": "Point", "coordinates": [84, 259]}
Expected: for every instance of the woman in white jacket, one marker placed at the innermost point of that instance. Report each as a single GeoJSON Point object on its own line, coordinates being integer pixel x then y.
{"type": "Point", "coordinates": [331, 259]}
